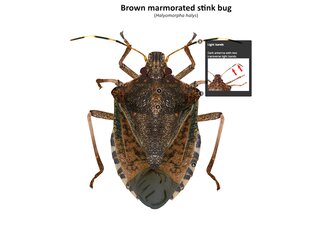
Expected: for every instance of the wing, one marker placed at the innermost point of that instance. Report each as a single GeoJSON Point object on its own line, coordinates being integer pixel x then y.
{"type": "Point", "coordinates": [178, 163]}
{"type": "Point", "coordinates": [180, 159]}
{"type": "Point", "coordinates": [128, 156]}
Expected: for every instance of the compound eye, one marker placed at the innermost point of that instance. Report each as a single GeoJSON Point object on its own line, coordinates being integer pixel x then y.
{"type": "Point", "coordinates": [143, 71]}
{"type": "Point", "coordinates": [168, 71]}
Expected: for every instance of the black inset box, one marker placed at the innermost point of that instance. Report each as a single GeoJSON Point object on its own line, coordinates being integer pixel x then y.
{"type": "Point", "coordinates": [228, 68]}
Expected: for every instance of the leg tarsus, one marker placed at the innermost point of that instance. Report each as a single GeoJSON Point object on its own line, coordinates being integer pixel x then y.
{"type": "Point", "coordinates": [115, 81]}
{"type": "Point", "coordinates": [125, 40]}
{"type": "Point", "coordinates": [101, 169]}
{"type": "Point", "coordinates": [211, 175]}
{"type": "Point", "coordinates": [197, 83]}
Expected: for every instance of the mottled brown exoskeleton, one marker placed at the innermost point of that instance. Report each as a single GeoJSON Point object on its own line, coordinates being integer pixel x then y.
{"type": "Point", "coordinates": [218, 84]}
{"type": "Point", "coordinates": [155, 140]}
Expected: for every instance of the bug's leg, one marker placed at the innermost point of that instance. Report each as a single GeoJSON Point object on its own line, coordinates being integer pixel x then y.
{"type": "Point", "coordinates": [208, 117]}
{"type": "Point", "coordinates": [238, 85]}
{"type": "Point", "coordinates": [235, 79]}
{"type": "Point", "coordinates": [125, 68]}
{"type": "Point", "coordinates": [103, 115]}
{"type": "Point", "coordinates": [197, 83]}
{"type": "Point", "coordinates": [189, 68]}
{"type": "Point", "coordinates": [115, 81]}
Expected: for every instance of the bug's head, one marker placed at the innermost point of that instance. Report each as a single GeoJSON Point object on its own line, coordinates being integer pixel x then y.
{"type": "Point", "coordinates": [218, 84]}
{"type": "Point", "coordinates": [156, 66]}
{"type": "Point", "coordinates": [217, 77]}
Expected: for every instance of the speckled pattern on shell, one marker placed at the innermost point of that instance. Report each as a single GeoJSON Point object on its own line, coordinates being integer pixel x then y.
{"type": "Point", "coordinates": [155, 127]}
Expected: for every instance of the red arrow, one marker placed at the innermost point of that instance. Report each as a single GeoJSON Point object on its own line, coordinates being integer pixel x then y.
{"type": "Point", "coordinates": [234, 71]}
{"type": "Point", "coordinates": [240, 68]}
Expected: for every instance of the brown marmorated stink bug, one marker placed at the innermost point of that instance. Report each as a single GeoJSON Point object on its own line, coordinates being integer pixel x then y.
{"type": "Point", "coordinates": [218, 84]}
{"type": "Point", "coordinates": [155, 140]}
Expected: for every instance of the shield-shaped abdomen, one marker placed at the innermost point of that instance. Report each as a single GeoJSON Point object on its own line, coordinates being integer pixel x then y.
{"type": "Point", "coordinates": [155, 140]}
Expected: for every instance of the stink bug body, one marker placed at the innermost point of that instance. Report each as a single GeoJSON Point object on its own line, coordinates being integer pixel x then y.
{"type": "Point", "coordinates": [155, 140]}
{"type": "Point", "coordinates": [218, 84]}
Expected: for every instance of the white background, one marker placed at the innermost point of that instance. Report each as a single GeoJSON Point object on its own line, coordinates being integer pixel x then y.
{"type": "Point", "coordinates": [271, 158]}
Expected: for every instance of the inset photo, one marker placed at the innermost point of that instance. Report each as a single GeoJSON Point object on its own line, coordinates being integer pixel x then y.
{"type": "Point", "coordinates": [228, 68]}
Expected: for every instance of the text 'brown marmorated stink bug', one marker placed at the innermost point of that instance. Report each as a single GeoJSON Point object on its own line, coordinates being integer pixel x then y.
{"type": "Point", "coordinates": [155, 140]}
